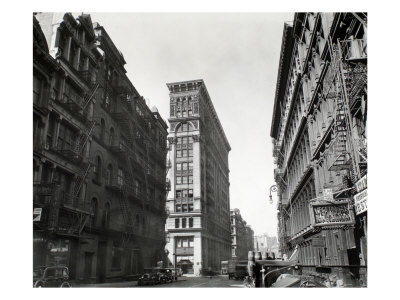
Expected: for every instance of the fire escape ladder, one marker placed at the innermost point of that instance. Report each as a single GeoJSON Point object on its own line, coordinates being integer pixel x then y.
{"type": "Point", "coordinates": [84, 137]}
{"type": "Point", "coordinates": [81, 179]}
{"type": "Point", "coordinates": [89, 96]}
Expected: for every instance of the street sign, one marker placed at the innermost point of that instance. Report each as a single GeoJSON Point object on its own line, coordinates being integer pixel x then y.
{"type": "Point", "coordinates": [37, 214]}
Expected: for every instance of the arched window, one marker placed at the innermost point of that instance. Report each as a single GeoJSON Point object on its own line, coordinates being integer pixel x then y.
{"type": "Point", "coordinates": [111, 138]}
{"type": "Point", "coordinates": [109, 174]}
{"type": "Point", "coordinates": [102, 129]}
{"type": "Point", "coordinates": [97, 169]}
{"type": "Point", "coordinates": [106, 216]}
{"type": "Point", "coordinates": [94, 211]}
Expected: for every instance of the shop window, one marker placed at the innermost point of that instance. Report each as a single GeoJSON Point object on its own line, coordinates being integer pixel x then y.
{"type": "Point", "coordinates": [116, 255]}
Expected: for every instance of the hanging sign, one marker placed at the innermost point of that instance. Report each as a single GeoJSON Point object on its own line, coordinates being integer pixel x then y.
{"type": "Point", "coordinates": [336, 214]}
{"type": "Point", "coordinates": [360, 199]}
{"type": "Point", "coordinates": [37, 214]}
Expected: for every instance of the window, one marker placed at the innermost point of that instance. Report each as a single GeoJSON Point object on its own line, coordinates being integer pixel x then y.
{"type": "Point", "coordinates": [184, 224]}
{"type": "Point", "coordinates": [184, 180]}
{"type": "Point", "coordinates": [97, 169]}
{"type": "Point", "coordinates": [178, 208]}
{"type": "Point", "coordinates": [120, 177]}
{"type": "Point", "coordinates": [178, 153]}
{"type": "Point", "coordinates": [106, 216]}
{"type": "Point", "coordinates": [190, 179]}
{"type": "Point", "coordinates": [111, 139]}
{"type": "Point", "coordinates": [177, 223]}
{"type": "Point", "coordinates": [179, 180]}
{"type": "Point", "coordinates": [109, 174]}
{"type": "Point", "coordinates": [116, 254]}
{"type": "Point", "coordinates": [66, 138]}
{"type": "Point", "coordinates": [94, 211]}
{"type": "Point", "coordinates": [190, 223]}
{"type": "Point", "coordinates": [102, 129]}
{"type": "Point", "coordinates": [190, 207]}
{"type": "Point", "coordinates": [37, 85]}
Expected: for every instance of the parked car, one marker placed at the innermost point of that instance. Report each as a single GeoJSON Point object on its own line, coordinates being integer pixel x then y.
{"type": "Point", "coordinates": [148, 279]}
{"type": "Point", "coordinates": [56, 276]}
{"type": "Point", "coordinates": [166, 275]}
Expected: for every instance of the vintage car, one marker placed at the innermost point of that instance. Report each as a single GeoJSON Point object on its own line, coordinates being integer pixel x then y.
{"type": "Point", "coordinates": [149, 278]}
{"type": "Point", "coordinates": [56, 276]}
{"type": "Point", "coordinates": [167, 275]}
{"type": "Point", "coordinates": [289, 280]}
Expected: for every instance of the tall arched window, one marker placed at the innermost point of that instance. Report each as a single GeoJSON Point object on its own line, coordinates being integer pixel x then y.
{"type": "Point", "coordinates": [111, 139]}
{"type": "Point", "coordinates": [94, 211]}
{"type": "Point", "coordinates": [109, 174]}
{"type": "Point", "coordinates": [106, 216]}
{"type": "Point", "coordinates": [102, 129]}
{"type": "Point", "coordinates": [97, 169]}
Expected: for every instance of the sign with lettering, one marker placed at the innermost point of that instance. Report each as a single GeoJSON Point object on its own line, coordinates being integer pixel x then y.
{"type": "Point", "coordinates": [360, 202]}
{"type": "Point", "coordinates": [361, 184]}
{"type": "Point", "coordinates": [332, 214]}
{"type": "Point", "coordinates": [37, 214]}
{"type": "Point", "coordinates": [318, 242]}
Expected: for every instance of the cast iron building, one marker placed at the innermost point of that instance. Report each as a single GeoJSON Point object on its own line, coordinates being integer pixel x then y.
{"type": "Point", "coordinates": [319, 137]}
{"type": "Point", "coordinates": [242, 236]}
{"type": "Point", "coordinates": [99, 156]}
{"type": "Point", "coordinates": [198, 226]}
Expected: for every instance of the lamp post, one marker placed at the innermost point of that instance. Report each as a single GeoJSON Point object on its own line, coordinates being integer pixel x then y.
{"type": "Point", "coordinates": [273, 188]}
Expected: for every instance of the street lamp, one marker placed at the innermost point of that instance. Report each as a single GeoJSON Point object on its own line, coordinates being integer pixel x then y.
{"type": "Point", "coordinates": [273, 188]}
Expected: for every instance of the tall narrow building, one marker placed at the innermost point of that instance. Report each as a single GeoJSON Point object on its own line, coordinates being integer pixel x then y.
{"type": "Point", "coordinates": [198, 226]}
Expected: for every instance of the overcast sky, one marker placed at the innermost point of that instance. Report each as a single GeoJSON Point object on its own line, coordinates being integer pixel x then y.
{"type": "Point", "coordinates": [237, 56]}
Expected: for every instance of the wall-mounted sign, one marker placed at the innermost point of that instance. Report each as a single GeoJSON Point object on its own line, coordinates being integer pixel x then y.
{"type": "Point", "coordinates": [360, 202]}
{"type": "Point", "coordinates": [318, 242]}
{"type": "Point", "coordinates": [332, 214]}
{"type": "Point", "coordinates": [361, 184]}
{"type": "Point", "coordinates": [37, 214]}
{"type": "Point", "coordinates": [360, 199]}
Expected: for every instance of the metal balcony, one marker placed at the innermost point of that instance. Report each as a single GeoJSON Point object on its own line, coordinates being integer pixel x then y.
{"type": "Point", "coordinates": [354, 50]}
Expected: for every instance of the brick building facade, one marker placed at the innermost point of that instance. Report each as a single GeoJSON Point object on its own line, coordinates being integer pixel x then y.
{"type": "Point", "coordinates": [99, 156]}
{"type": "Point", "coordinates": [319, 138]}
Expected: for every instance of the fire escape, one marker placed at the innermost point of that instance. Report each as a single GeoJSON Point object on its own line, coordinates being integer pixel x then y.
{"type": "Point", "coordinates": [67, 212]}
{"type": "Point", "coordinates": [348, 61]}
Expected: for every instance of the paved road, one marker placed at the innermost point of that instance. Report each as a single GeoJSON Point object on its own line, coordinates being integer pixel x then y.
{"type": "Point", "coordinates": [183, 282]}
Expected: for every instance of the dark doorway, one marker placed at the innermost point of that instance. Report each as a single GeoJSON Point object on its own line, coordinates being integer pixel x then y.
{"type": "Point", "coordinates": [88, 265]}
{"type": "Point", "coordinates": [101, 262]}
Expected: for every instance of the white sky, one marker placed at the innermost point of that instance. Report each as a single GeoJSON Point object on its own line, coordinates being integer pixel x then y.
{"type": "Point", "coordinates": [237, 55]}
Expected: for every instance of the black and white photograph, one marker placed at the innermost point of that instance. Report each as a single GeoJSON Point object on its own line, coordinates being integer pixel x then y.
{"type": "Point", "coordinates": [202, 145]}
{"type": "Point", "coordinates": [134, 183]}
